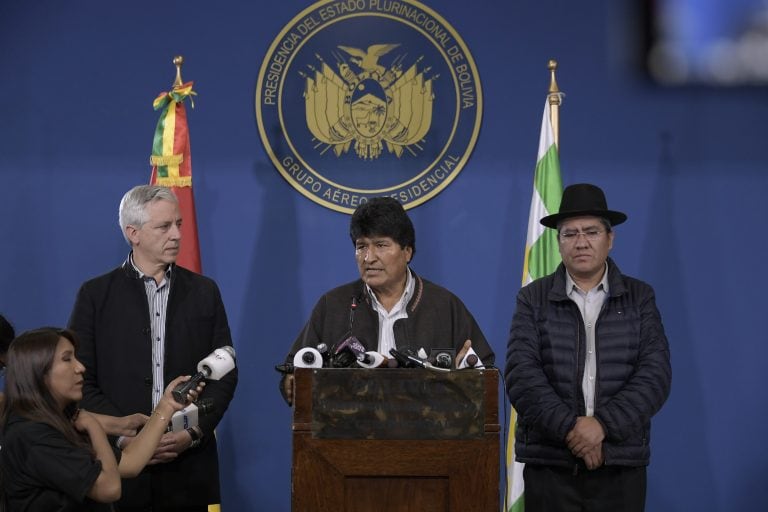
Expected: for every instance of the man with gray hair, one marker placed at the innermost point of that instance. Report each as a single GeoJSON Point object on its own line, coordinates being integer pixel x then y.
{"type": "Point", "coordinates": [140, 325]}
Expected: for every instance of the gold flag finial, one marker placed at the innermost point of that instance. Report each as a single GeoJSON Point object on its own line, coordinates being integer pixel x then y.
{"type": "Point", "coordinates": [555, 100]}
{"type": "Point", "coordinates": [178, 61]}
{"type": "Point", "coordinates": [553, 88]}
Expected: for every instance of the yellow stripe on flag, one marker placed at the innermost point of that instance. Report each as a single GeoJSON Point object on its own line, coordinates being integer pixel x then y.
{"type": "Point", "coordinates": [169, 133]}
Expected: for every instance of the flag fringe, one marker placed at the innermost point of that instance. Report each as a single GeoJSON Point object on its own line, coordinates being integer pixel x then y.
{"type": "Point", "coordinates": [165, 160]}
{"type": "Point", "coordinates": [174, 181]}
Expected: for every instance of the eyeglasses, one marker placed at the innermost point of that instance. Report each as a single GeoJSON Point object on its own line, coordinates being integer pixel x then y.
{"type": "Point", "coordinates": [569, 237]}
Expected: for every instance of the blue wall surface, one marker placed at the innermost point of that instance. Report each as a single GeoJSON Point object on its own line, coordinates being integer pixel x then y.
{"type": "Point", "coordinates": [688, 165]}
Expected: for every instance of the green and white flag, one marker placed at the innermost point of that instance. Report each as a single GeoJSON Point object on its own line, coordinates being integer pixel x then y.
{"type": "Point", "coordinates": [541, 253]}
{"type": "Point", "coordinates": [541, 258]}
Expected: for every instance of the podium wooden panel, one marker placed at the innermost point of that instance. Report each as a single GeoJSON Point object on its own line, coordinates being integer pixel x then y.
{"type": "Point", "coordinates": [359, 474]}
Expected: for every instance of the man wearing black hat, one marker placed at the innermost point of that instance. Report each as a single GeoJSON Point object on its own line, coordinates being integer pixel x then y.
{"type": "Point", "coordinates": [587, 367]}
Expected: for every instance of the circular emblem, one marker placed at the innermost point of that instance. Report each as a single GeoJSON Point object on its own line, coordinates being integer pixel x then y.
{"type": "Point", "coordinates": [365, 98]}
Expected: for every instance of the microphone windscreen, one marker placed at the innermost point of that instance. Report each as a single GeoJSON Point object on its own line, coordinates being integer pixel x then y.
{"type": "Point", "coordinates": [219, 363]}
{"type": "Point", "coordinates": [372, 359]}
{"type": "Point", "coordinates": [308, 357]}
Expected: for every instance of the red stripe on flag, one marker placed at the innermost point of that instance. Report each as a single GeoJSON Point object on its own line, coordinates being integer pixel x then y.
{"type": "Point", "coordinates": [189, 255]}
{"type": "Point", "coordinates": [181, 140]}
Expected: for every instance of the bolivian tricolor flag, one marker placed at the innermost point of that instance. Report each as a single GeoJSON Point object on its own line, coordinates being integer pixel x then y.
{"type": "Point", "coordinates": [172, 166]}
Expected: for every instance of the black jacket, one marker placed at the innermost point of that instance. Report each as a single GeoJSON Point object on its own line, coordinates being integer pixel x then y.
{"type": "Point", "coordinates": [111, 319]}
{"type": "Point", "coordinates": [545, 365]}
{"type": "Point", "coordinates": [436, 319]}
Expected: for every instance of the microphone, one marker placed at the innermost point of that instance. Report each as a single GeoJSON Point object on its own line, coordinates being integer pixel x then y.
{"type": "Point", "coordinates": [442, 357]}
{"type": "Point", "coordinates": [408, 360]}
{"type": "Point", "coordinates": [324, 352]}
{"type": "Point", "coordinates": [353, 345]}
{"type": "Point", "coordinates": [308, 357]}
{"type": "Point", "coordinates": [189, 416]}
{"type": "Point", "coordinates": [365, 358]}
{"type": "Point", "coordinates": [471, 360]}
{"type": "Point", "coordinates": [352, 308]}
{"type": "Point", "coordinates": [214, 366]}
{"type": "Point", "coordinates": [339, 357]}
{"type": "Point", "coordinates": [372, 359]}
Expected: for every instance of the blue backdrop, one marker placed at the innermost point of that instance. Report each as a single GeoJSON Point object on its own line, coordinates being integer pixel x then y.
{"type": "Point", "coordinates": [688, 165]}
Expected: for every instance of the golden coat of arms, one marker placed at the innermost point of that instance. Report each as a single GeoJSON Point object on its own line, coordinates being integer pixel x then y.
{"type": "Point", "coordinates": [349, 106]}
{"type": "Point", "coordinates": [368, 104]}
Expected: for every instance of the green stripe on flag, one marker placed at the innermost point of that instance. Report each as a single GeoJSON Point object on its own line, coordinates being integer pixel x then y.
{"type": "Point", "coordinates": [157, 140]}
{"type": "Point", "coordinates": [542, 258]}
{"type": "Point", "coordinates": [518, 506]}
{"type": "Point", "coordinates": [548, 181]}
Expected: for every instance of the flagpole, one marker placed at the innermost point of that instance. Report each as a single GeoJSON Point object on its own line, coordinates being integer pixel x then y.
{"type": "Point", "coordinates": [178, 61]}
{"type": "Point", "coordinates": [172, 162]}
{"type": "Point", "coordinates": [541, 252]}
{"type": "Point", "coordinates": [555, 100]}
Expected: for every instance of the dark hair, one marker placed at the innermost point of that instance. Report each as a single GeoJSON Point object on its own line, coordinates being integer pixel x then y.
{"type": "Point", "coordinates": [383, 216]}
{"type": "Point", "coordinates": [604, 221]}
{"type": "Point", "coordinates": [6, 334]}
{"type": "Point", "coordinates": [30, 358]}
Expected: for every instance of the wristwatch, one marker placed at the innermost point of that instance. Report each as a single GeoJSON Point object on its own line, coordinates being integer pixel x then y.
{"type": "Point", "coordinates": [196, 437]}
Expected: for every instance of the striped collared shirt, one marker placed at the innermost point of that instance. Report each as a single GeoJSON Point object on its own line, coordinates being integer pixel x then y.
{"type": "Point", "coordinates": [387, 318]}
{"type": "Point", "coordinates": [157, 299]}
{"type": "Point", "coordinates": [590, 303]}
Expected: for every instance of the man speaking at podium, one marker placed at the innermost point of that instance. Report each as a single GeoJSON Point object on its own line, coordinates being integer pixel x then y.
{"type": "Point", "coordinates": [390, 306]}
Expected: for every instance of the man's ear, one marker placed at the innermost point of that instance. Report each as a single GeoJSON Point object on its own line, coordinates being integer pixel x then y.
{"type": "Point", "coordinates": [132, 234]}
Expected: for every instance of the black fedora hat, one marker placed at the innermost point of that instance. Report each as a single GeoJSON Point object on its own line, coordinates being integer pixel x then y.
{"type": "Point", "coordinates": [582, 200]}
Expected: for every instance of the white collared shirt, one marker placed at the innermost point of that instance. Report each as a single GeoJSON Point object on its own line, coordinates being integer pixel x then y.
{"type": "Point", "coordinates": [157, 299]}
{"type": "Point", "coordinates": [387, 319]}
{"type": "Point", "coordinates": [590, 304]}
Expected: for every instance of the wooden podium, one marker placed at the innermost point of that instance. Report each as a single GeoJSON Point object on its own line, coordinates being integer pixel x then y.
{"type": "Point", "coordinates": [395, 440]}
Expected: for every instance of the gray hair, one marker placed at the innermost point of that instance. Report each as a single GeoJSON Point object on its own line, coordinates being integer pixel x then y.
{"type": "Point", "coordinates": [133, 206]}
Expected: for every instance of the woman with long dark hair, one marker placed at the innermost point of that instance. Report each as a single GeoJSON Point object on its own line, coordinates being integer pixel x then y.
{"type": "Point", "coordinates": [56, 457]}
{"type": "Point", "coordinates": [6, 336]}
